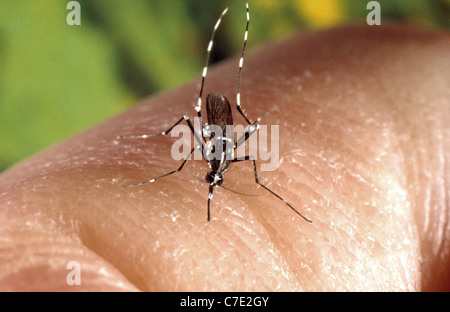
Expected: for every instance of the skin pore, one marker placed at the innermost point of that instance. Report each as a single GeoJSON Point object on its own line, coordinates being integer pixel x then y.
{"type": "Point", "coordinates": [364, 151]}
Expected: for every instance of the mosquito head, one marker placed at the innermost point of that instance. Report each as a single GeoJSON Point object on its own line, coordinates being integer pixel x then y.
{"type": "Point", "coordinates": [214, 178]}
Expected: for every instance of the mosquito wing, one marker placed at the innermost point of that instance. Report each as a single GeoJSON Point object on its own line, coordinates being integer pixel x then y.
{"type": "Point", "coordinates": [218, 110]}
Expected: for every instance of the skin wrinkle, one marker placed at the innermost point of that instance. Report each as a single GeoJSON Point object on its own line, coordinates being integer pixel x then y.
{"type": "Point", "coordinates": [87, 230]}
{"type": "Point", "coordinates": [278, 252]}
{"type": "Point", "coordinates": [358, 143]}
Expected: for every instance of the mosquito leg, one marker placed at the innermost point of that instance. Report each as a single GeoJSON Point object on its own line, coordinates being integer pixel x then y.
{"type": "Point", "coordinates": [198, 107]}
{"type": "Point", "coordinates": [238, 94]}
{"type": "Point", "coordinates": [197, 138]}
{"type": "Point", "coordinates": [241, 64]}
{"type": "Point", "coordinates": [164, 175]}
{"type": "Point", "coordinates": [244, 137]}
{"type": "Point", "coordinates": [254, 127]}
{"type": "Point", "coordinates": [266, 188]}
{"type": "Point", "coordinates": [146, 136]}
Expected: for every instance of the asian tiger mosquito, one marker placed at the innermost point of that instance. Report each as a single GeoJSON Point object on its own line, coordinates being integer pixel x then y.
{"type": "Point", "coordinates": [219, 114]}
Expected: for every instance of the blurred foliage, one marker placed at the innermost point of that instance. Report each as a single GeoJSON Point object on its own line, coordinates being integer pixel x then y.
{"type": "Point", "coordinates": [57, 79]}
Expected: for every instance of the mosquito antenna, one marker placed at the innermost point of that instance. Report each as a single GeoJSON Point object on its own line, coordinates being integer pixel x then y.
{"type": "Point", "coordinates": [198, 108]}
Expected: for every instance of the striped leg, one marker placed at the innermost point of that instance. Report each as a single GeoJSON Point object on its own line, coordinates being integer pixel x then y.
{"type": "Point", "coordinates": [198, 107]}
{"type": "Point", "coordinates": [164, 175]}
{"type": "Point", "coordinates": [252, 128]}
{"type": "Point", "coordinates": [244, 137]}
{"type": "Point", "coordinates": [266, 188]}
{"type": "Point", "coordinates": [241, 64]}
{"type": "Point", "coordinates": [146, 136]}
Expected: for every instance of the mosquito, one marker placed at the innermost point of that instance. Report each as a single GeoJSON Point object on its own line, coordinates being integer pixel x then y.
{"type": "Point", "coordinates": [219, 115]}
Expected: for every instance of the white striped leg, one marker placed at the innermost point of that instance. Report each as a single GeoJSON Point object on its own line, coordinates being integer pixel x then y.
{"type": "Point", "coordinates": [241, 64]}
{"type": "Point", "coordinates": [266, 188]}
{"type": "Point", "coordinates": [198, 107]}
{"type": "Point", "coordinates": [164, 175]}
{"type": "Point", "coordinates": [244, 137]}
{"type": "Point", "coordinates": [146, 136]}
{"type": "Point", "coordinates": [253, 127]}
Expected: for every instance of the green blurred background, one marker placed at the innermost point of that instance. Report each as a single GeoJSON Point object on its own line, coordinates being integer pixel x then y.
{"type": "Point", "coordinates": [57, 79]}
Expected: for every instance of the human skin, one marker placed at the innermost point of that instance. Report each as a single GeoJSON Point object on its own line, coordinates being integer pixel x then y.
{"type": "Point", "coordinates": [364, 145]}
